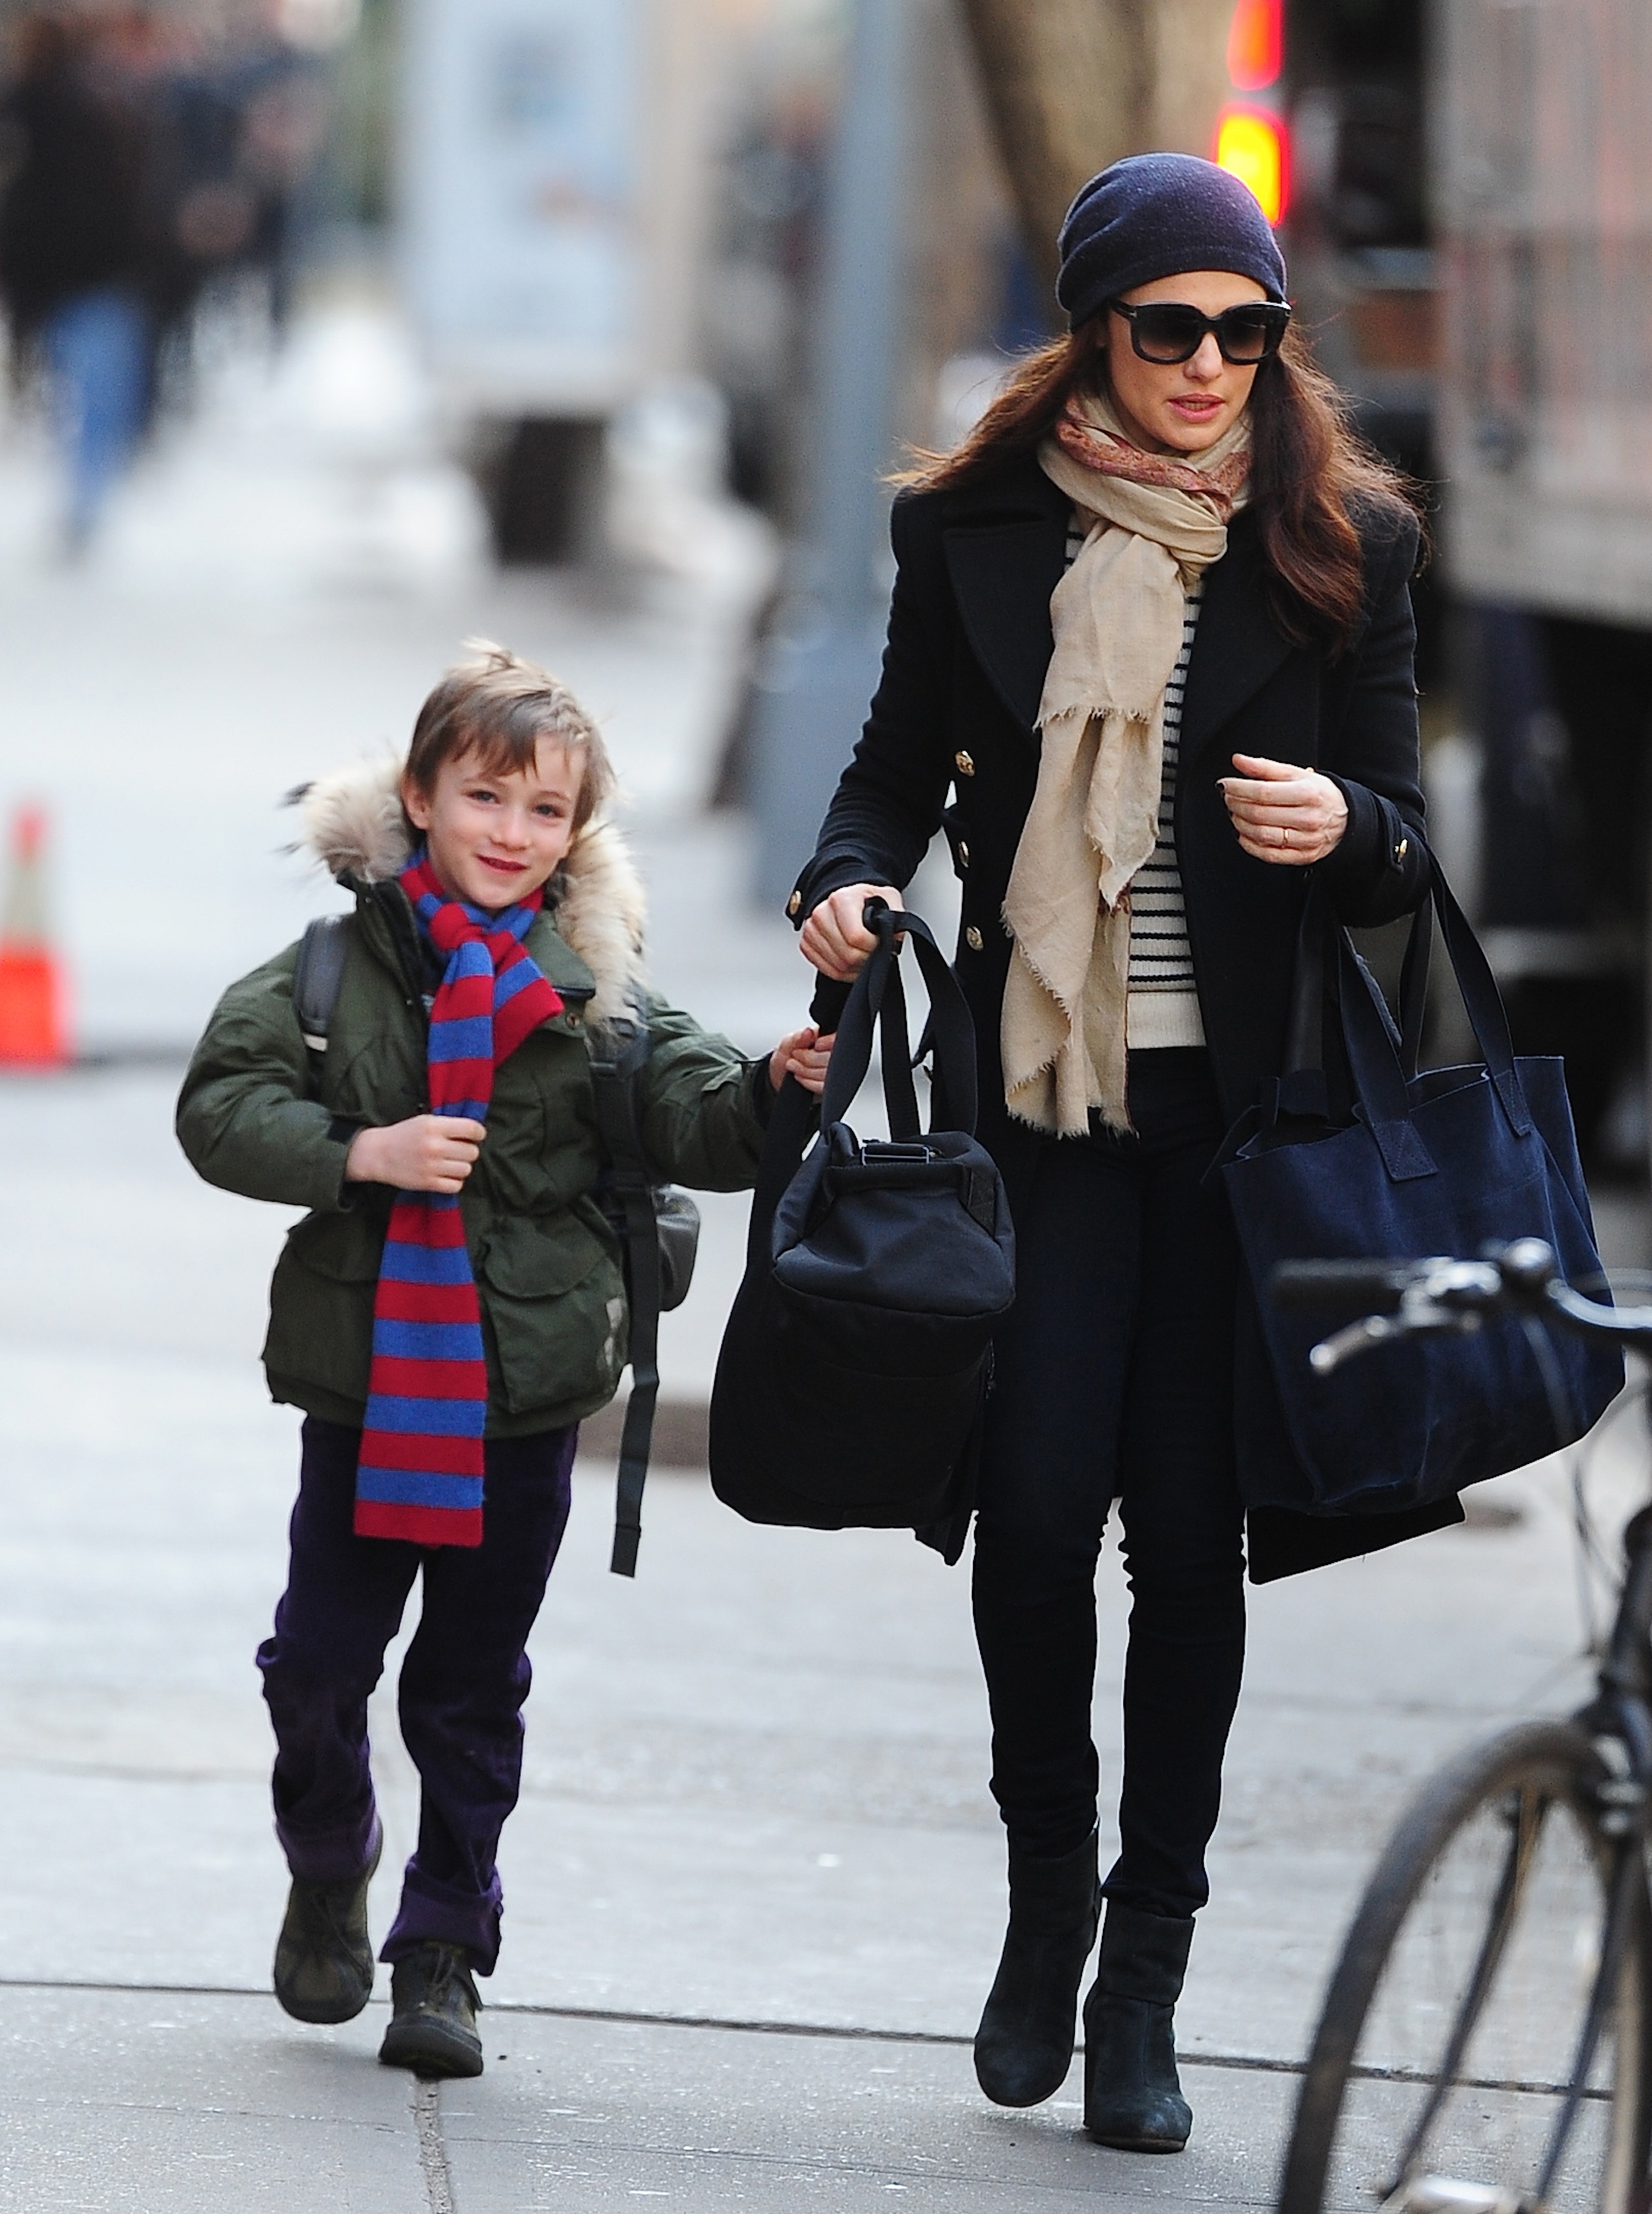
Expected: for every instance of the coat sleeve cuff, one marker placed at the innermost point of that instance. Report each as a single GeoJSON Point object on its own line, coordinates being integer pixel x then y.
{"type": "Point", "coordinates": [1378, 838]}
{"type": "Point", "coordinates": [341, 1132]}
{"type": "Point", "coordinates": [826, 874]}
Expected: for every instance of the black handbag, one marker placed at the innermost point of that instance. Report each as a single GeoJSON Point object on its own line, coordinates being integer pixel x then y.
{"type": "Point", "coordinates": [1434, 1163]}
{"type": "Point", "coordinates": [853, 1367]}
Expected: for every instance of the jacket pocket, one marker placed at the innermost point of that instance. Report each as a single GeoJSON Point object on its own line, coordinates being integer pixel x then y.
{"type": "Point", "coordinates": [554, 1300]}
{"type": "Point", "coordinates": [321, 1328]}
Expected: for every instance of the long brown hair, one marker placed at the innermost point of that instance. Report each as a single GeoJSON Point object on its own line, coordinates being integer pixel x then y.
{"type": "Point", "coordinates": [1312, 478]}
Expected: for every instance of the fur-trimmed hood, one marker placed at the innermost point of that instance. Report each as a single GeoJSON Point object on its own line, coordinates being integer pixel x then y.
{"type": "Point", "coordinates": [353, 823]}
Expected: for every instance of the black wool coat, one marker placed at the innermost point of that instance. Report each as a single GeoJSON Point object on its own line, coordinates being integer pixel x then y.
{"type": "Point", "coordinates": [970, 642]}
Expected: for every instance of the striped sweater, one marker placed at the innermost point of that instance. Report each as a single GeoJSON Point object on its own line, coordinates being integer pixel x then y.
{"type": "Point", "coordinates": [1163, 1006]}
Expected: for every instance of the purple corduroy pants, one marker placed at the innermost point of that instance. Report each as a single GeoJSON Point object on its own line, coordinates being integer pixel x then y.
{"type": "Point", "coordinates": [462, 1684]}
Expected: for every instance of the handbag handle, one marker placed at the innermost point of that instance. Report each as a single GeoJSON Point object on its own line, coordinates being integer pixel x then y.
{"type": "Point", "coordinates": [1482, 1000]}
{"type": "Point", "coordinates": [876, 992]}
{"type": "Point", "coordinates": [1414, 987]}
{"type": "Point", "coordinates": [1383, 1061]}
{"type": "Point", "coordinates": [875, 1006]}
{"type": "Point", "coordinates": [850, 1011]}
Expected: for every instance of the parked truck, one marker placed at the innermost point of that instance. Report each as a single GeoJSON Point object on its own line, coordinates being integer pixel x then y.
{"type": "Point", "coordinates": [1470, 239]}
{"type": "Point", "coordinates": [1541, 187]}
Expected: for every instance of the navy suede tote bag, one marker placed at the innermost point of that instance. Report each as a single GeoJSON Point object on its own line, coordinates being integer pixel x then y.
{"type": "Point", "coordinates": [1442, 1162]}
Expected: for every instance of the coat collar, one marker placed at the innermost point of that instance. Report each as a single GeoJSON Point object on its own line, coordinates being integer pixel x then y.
{"type": "Point", "coordinates": [1005, 544]}
{"type": "Point", "coordinates": [1005, 537]}
{"type": "Point", "coordinates": [385, 915]}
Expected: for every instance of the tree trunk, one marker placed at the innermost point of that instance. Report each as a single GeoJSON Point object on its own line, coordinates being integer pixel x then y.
{"type": "Point", "coordinates": [1071, 85]}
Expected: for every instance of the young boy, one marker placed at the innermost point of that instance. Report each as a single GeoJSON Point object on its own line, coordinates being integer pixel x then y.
{"type": "Point", "coordinates": [453, 1304]}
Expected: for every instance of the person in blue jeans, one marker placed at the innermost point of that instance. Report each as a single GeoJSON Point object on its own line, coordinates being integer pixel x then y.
{"type": "Point", "coordinates": [71, 260]}
{"type": "Point", "coordinates": [96, 348]}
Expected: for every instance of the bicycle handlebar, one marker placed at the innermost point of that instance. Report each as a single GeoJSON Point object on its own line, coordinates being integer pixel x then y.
{"type": "Point", "coordinates": [1427, 1297]}
{"type": "Point", "coordinates": [1340, 1283]}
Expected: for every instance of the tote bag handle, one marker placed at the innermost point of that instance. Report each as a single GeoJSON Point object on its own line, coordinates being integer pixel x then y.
{"type": "Point", "coordinates": [1382, 1059]}
{"type": "Point", "coordinates": [1488, 1017]}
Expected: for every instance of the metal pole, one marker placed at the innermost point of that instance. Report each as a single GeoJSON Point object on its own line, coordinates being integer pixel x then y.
{"type": "Point", "coordinates": [821, 664]}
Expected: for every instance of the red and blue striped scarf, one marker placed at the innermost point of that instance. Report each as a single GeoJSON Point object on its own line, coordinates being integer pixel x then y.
{"type": "Point", "coordinates": [420, 1476]}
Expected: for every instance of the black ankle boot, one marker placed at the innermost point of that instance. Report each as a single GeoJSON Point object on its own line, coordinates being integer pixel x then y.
{"type": "Point", "coordinates": [433, 2019]}
{"type": "Point", "coordinates": [323, 1957]}
{"type": "Point", "coordinates": [1024, 2043]}
{"type": "Point", "coordinates": [1132, 2093]}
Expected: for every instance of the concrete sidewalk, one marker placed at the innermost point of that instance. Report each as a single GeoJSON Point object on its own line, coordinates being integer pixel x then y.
{"type": "Point", "coordinates": [189, 2103]}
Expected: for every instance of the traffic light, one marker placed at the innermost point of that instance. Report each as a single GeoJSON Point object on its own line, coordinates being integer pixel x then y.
{"type": "Point", "coordinates": [1256, 44]}
{"type": "Point", "coordinates": [1252, 138]}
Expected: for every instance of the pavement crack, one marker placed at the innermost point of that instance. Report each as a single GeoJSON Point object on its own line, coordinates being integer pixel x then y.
{"type": "Point", "coordinates": [432, 2152]}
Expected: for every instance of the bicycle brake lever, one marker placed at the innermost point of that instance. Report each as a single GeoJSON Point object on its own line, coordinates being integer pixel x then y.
{"type": "Point", "coordinates": [1419, 1316]}
{"type": "Point", "coordinates": [1358, 1337]}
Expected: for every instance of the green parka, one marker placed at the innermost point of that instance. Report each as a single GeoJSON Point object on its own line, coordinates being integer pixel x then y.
{"type": "Point", "coordinates": [252, 1119]}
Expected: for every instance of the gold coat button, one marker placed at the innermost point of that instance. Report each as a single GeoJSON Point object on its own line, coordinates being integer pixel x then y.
{"type": "Point", "coordinates": [964, 766]}
{"type": "Point", "coordinates": [794, 902]}
{"type": "Point", "coordinates": [1402, 849]}
{"type": "Point", "coordinates": [972, 939]}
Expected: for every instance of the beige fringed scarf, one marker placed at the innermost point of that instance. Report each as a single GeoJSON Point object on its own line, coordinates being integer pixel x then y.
{"type": "Point", "coordinates": [1156, 522]}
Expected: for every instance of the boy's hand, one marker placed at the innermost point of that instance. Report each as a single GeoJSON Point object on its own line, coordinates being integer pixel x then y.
{"type": "Point", "coordinates": [805, 1055]}
{"type": "Point", "coordinates": [427, 1152]}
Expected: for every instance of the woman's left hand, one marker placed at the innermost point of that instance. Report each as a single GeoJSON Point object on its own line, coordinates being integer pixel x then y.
{"type": "Point", "coordinates": [1284, 814]}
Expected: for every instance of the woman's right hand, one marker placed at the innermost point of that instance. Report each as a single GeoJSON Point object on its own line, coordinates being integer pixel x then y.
{"type": "Point", "coordinates": [835, 939]}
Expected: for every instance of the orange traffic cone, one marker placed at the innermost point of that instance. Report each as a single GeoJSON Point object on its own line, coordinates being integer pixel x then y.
{"type": "Point", "coordinates": [32, 1029]}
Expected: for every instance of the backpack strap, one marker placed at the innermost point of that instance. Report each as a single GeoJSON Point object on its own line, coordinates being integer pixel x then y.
{"type": "Point", "coordinates": [316, 978]}
{"type": "Point", "coordinates": [616, 1067]}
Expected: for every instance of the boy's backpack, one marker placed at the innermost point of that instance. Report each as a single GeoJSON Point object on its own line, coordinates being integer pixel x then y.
{"type": "Point", "coordinates": [854, 1369]}
{"type": "Point", "coordinates": [657, 1225]}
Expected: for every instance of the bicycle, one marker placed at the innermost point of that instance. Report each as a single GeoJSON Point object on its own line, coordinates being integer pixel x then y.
{"type": "Point", "coordinates": [1485, 2042]}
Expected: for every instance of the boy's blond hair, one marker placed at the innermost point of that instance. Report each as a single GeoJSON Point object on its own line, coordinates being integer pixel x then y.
{"type": "Point", "coordinates": [500, 706]}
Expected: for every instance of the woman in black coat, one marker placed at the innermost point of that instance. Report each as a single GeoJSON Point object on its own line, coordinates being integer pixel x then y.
{"type": "Point", "coordinates": [1151, 628]}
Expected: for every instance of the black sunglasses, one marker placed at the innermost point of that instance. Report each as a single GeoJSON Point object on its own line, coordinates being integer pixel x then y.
{"type": "Point", "coordinates": [1166, 331]}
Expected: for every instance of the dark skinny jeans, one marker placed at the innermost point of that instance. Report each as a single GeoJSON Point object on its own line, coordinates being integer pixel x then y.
{"type": "Point", "coordinates": [1114, 1378]}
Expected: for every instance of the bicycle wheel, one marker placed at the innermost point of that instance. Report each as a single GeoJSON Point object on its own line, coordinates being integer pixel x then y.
{"type": "Point", "coordinates": [1474, 2056]}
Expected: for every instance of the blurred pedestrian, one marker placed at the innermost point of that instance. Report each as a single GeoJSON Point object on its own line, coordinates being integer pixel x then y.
{"type": "Point", "coordinates": [1152, 621]}
{"type": "Point", "coordinates": [279, 93]}
{"type": "Point", "coordinates": [449, 1309]}
{"type": "Point", "coordinates": [231, 141]}
{"type": "Point", "coordinates": [69, 263]}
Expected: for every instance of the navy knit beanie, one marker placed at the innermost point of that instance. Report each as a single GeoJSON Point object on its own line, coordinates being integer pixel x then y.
{"type": "Point", "coordinates": [1156, 215]}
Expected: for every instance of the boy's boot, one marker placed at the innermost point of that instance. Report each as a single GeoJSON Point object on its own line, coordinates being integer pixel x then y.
{"type": "Point", "coordinates": [323, 1957]}
{"type": "Point", "coordinates": [1132, 2093]}
{"type": "Point", "coordinates": [434, 2024]}
{"type": "Point", "coordinates": [1024, 2043]}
